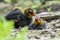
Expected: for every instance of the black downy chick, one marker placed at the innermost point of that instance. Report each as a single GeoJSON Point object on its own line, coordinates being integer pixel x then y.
{"type": "Point", "coordinates": [38, 24]}
{"type": "Point", "coordinates": [26, 18]}
{"type": "Point", "coordinates": [20, 19]}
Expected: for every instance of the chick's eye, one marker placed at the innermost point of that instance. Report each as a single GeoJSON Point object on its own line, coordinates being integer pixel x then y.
{"type": "Point", "coordinates": [30, 10]}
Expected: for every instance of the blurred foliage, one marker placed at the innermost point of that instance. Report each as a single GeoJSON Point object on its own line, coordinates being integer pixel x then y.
{"type": "Point", "coordinates": [23, 4]}
{"type": "Point", "coordinates": [58, 33]}
{"type": "Point", "coordinates": [22, 35]}
{"type": "Point", "coordinates": [5, 30]}
{"type": "Point", "coordinates": [8, 1]}
{"type": "Point", "coordinates": [56, 38]}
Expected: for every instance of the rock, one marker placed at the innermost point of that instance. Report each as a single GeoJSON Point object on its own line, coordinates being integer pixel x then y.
{"type": "Point", "coordinates": [54, 8]}
{"type": "Point", "coordinates": [53, 22]}
{"type": "Point", "coordinates": [48, 26]}
{"type": "Point", "coordinates": [53, 34]}
{"type": "Point", "coordinates": [42, 10]}
{"type": "Point", "coordinates": [49, 16]}
{"type": "Point", "coordinates": [57, 25]}
{"type": "Point", "coordinates": [58, 21]}
{"type": "Point", "coordinates": [37, 37]}
{"type": "Point", "coordinates": [45, 37]}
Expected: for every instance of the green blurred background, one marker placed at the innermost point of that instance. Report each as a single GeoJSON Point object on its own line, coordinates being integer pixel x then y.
{"type": "Point", "coordinates": [7, 5]}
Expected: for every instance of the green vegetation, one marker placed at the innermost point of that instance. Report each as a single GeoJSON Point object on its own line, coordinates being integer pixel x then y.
{"type": "Point", "coordinates": [22, 35]}
{"type": "Point", "coordinates": [5, 31]}
{"type": "Point", "coordinates": [5, 28]}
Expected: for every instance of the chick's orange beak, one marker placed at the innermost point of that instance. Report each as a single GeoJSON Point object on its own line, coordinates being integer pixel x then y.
{"type": "Point", "coordinates": [37, 21]}
{"type": "Point", "coordinates": [33, 14]}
